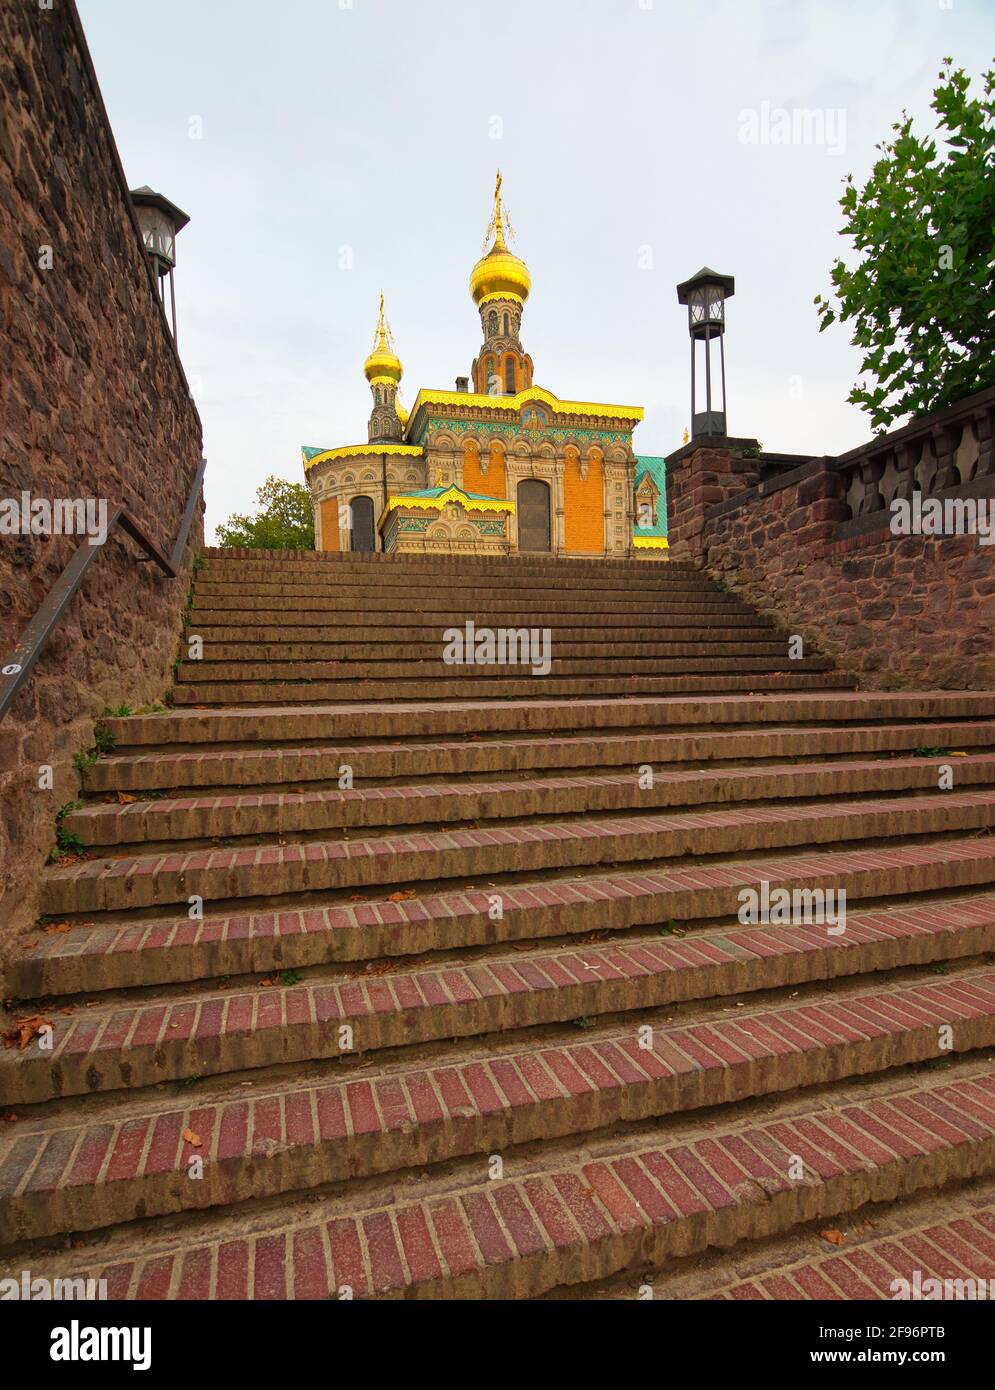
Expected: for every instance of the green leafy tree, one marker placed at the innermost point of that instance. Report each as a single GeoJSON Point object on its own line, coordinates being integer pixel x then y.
{"type": "Point", "coordinates": [285, 520]}
{"type": "Point", "coordinates": [921, 296]}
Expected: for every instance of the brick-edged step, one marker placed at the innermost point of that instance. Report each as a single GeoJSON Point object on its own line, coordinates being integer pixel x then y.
{"type": "Point", "coordinates": [579, 1216]}
{"type": "Point", "coordinates": [950, 1235]}
{"type": "Point", "coordinates": [272, 813]}
{"type": "Point", "coordinates": [455, 718]}
{"type": "Point", "coordinates": [582, 618]}
{"type": "Point", "coordinates": [408, 657]}
{"type": "Point", "coordinates": [472, 590]}
{"type": "Point", "coordinates": [374, 565]}
{"type": "Point", "coordinates": [960, 1250]}
{"type": "Point", "coordinates": [141, 1043]}
{"type": "Point", "coordinates": [289, 1136]}
{"type": "Point", "coordinates": [388, 640]}
{"type": "Point", "coordinates": [360, 668]}
{"type": "Point", "coordinates": [245, 767]}
{"type": "Point", "coordinates": [115, 953]}
{"type": "Point", "coordinates": [471, 686]}
{"type": "Point", "coordinates": [145, 880]}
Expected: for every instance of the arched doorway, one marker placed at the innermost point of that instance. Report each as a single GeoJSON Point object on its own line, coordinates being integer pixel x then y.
{"type": "Point", "coordinates": [361, 533]}
{"type": "Point", "coordinates": [533, 515]}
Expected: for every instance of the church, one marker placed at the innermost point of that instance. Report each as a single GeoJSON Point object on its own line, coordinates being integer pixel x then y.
{"type": "Point", "coordinates": [499, 465]}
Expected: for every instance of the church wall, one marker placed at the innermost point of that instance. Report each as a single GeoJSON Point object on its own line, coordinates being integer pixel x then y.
{"type": "Point", "coordinates": [328, 512]}
{"type": "Point", "coordinates": [584, 503]}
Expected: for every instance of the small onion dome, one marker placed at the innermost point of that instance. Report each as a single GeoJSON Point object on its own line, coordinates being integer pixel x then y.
{"type": "Point", "coordinates": [402, 414]}
{"type": "Point", "coordinates": [500, 274]}
{"type": "Point", "coordinates": [383, 362]}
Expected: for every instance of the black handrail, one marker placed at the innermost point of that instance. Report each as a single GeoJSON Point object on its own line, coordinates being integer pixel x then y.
{"type": "Point", "coordinates": [15, 670]}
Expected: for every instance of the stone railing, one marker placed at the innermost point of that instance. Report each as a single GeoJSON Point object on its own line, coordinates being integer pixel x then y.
{"type": "Point", "coordinates": [811, 543]}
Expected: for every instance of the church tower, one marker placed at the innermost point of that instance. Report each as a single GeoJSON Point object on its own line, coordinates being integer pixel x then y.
{"type": "Point", "coordinates": [383, 371]}
{"type": "Point", "coordinates": [500, 285]}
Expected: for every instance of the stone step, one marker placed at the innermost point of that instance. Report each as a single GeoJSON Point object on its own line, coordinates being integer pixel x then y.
{"type": "Point", "coordinates": [873, 1254]}
{"type": "Point", "coordinates": [243, 767]}
{"type": "Point", "coordinates": [288, 1135]}
{"type": "Point", "coordinates": [439, 718]}
{"type": "Point", "coordinates": [948, 1256]}
{"type": "Point", "coordinates": [575, 1213]}
{"type": "Point", "coordinates": [376, 570]}
{"type": "Point", "coordinates": [121, 950]}
{"type": "Point", "coordinates": [135, 1043]}
{"type": "Point", "coordinates": [362, 668]}
{"type": "Point", "coordinates": [134, 881]}
{"type": "Point", "coordinates": [393, 624]}
{"type": "Point", "coordinates": [416, 656]}
{"type": "Point", "coordinates": [498, 609]}
{"type": "Point", "coordinates": [391, 641]}
{"type": "Point", "coordinates": [409, 588]}
{"type": "Point", "coordinates": [295, 813]}
{"type": "Point", "coordinates": [375, 564]}
{"type": "Point", "coordinates": [471, 686]}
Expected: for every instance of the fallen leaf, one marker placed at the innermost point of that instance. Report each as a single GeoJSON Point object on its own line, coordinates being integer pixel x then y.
{"type": "Point", "coordinates": [264, 984]}
{"type": "Point", "coordinates": [24, 1030]}
{"type": "Point", "coordinates": [834, 1237]}
{"type": "Point", "coordinates": [57, 926]}
{"type": "Point", "coordinates": [191, 1138]}
{"type": "Point", "coordinates": [402, 896]}
{"type": "Point", "coordinates": [8, 1119]}
{"type": "Point", "coordinates": [123, 799]}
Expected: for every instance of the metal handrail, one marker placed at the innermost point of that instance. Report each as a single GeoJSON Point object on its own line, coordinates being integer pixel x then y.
{"type": "Point", "coordinates": [15, 670]}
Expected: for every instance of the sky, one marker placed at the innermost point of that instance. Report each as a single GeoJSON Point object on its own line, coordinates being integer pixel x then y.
{"type": "Point", "coordinates": [327, 149]}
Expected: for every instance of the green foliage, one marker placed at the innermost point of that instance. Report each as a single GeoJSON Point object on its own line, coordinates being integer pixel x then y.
{"type": "Point", "coordinates": [285, 520]}
{"type": "Point", "coordinates": [119, 712]}
{"type": "Point", "coordinates": [65, 841]}
{"type": "Point", "coordinates": [103, 740]}
{"type": "Point", "coordinates": [82, 762]}
{"type": "Point", "coordinates": [921, 293]}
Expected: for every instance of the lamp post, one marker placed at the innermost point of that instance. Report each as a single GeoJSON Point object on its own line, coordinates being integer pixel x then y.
{"type": "Point", "coordinates": [705, 294]}
{"type": "Point", "coordinates": [160, 221]}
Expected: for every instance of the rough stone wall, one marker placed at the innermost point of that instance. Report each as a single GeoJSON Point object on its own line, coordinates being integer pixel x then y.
{"type": "Point", "coordinates": [93, 404]}
{"type": "Point", "coordinates": [897, 612]}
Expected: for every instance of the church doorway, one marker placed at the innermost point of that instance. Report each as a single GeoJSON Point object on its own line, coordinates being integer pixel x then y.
{"type": "Point", "coordinates": [361, 534]}
{"type": "Point", "coordinates": [533, 515]}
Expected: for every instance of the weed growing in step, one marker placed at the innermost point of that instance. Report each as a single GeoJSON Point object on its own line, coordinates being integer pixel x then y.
{"type": "Point", "coordinates": [65, 841]}
{"type": "Point", "coordinates": [121, 712]}
{"type": "Point", "coordinates": [930, 752]}
{"type": "Point", "coordinates": [290, 977]}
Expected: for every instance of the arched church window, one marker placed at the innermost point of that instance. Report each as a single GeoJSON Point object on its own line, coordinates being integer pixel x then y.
{"type": "Point", "coordinates": [492, 324]}
{"type": "Point", "coordinates": [506, 325]}
{"type": "Point", "coordinates": [509, 376]}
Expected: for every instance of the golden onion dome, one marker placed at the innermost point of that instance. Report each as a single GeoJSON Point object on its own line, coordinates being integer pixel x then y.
{"type": "Point", "coordinates": [500, 274]}
{"type": "Point", "coordinates": [402, 414]}
{"type": "Point", "coordinates": [383, 362]}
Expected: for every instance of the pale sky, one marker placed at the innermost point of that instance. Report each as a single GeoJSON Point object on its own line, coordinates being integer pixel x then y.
{"type": "Point", "coordinates": [377, 126]}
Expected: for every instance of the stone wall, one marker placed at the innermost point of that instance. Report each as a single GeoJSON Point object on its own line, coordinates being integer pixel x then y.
{"type": "Point", "coordinates": [810, 544]}
{"type": "Point", "coordinates": [93, 404]}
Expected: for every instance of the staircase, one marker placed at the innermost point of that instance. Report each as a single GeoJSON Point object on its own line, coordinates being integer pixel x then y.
{"type": "Point", "coordinates": [382, 976]}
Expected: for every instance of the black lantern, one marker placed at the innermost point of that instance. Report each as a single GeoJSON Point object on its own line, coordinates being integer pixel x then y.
{"type": "Point", "coordinates": [159, 221]}
{"type": "Point", "coordinates": [705, 294]}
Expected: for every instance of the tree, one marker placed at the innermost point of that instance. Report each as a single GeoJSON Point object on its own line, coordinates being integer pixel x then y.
{"type": "Point", "coordinates": [285, 520]}
{"type": "Point", "coordinates": [921, 295]}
